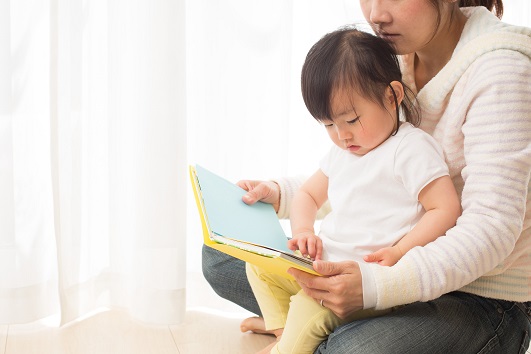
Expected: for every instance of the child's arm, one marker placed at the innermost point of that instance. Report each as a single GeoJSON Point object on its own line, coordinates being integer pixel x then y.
{"type": "Point", "coordinates": [306, 202]}
{"type": "Point", "coordinates": [442, 206]}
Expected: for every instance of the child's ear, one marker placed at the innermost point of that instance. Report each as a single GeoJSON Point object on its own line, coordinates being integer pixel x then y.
{"type": "Point", "coordinates": [398, 92]}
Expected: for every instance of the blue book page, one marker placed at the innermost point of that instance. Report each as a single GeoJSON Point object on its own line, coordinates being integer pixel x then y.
{"type": "Point", "coordinates": [230, 217]}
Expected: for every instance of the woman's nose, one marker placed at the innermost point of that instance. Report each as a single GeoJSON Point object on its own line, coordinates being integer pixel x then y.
{"type": "Point", "coordinates": [378, 12]}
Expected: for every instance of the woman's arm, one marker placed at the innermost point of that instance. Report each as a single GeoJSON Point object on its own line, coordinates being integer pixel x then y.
{"type": "Point", "coordinates": [496, 160]}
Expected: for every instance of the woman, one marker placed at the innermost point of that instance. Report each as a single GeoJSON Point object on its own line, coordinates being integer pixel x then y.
{"type": "Point", "coordinates": [469, 291]}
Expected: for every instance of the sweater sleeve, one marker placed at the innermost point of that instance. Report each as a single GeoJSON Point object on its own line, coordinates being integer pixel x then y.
{"type": "Point", "coordinates": [495, 100]}
{"type": "Point", "coordinates": [288, 187]}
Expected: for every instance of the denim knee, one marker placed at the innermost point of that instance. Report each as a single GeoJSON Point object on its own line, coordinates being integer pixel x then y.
{"type": "Point", "coordinates": [226, 275]}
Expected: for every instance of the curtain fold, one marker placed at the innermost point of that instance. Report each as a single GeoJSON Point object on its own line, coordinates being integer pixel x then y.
{"type": "Point", "coordinates": [93, 128]}
{"type": "Point", "coordinates": [28, 287]}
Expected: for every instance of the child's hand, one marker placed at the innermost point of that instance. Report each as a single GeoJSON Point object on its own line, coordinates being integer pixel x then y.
{"type": "Point", "coordinates": [386, 256]}
{"type": "Point", "coordinates": [308, 244]}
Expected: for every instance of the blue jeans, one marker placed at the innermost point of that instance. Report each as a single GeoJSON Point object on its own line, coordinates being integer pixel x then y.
{"type": "Point", "coordinates": [454, 323]}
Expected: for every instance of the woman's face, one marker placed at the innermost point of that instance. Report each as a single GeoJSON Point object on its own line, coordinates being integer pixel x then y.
{"type": "Point", "coordinates": [408, 24]}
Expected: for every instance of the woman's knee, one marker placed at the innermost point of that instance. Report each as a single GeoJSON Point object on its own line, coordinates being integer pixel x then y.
{"type": "Point", "coordinates": [218, 267]}
{"type": "Point", "coordinates": [209, 262]}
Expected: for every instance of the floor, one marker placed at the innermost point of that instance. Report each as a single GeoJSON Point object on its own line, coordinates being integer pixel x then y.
{"type": "Point", "coordinates": [211, 326]}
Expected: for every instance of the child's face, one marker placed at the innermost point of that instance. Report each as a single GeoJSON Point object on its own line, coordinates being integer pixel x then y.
{"type": "Point", "coordinates": [359, 125]}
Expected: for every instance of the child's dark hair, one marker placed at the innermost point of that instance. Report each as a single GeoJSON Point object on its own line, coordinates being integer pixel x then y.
{"type": "Point", "coordinates": [352, 60]}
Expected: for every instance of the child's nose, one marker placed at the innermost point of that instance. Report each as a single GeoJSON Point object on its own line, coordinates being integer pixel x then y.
{"type": "Point", "coordinates": [343, 133]}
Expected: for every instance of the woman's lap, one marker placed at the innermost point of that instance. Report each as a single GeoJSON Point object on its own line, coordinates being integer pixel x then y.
{"type": "Point", "coordinates": [226, 275]}
{"type": "Point", "coordinates": [454, 323]}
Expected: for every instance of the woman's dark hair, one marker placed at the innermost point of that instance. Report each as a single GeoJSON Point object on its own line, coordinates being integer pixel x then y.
{"type": "Point", "coordinates": [355, 61]}
{"type": "Point", "coordinates": [495, 6]}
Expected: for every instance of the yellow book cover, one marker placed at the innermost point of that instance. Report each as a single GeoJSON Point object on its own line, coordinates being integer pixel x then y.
{"type": "Point", "coordinates": [251, 233]}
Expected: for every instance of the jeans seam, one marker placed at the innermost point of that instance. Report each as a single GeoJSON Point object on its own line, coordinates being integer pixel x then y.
{"type": "Point", "coordinates": [525, 343]}
{"type": "Point", "coordinates": [498, 330]}
{"type": "Point", "coordinates": [525, 308]}
{"type": "Point", "coordinates": [491, 344]}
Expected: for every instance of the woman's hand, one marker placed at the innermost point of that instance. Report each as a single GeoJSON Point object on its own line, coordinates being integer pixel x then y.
{"type": "Point", "coordinates": [340, 287]}
{"type": "Point", "coordinates": [264, 191]}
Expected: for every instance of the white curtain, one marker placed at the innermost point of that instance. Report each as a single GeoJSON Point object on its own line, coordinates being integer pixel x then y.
{"type": "Point", "coordinates": [93, 158]}
{"type": "Point", "coordinates": [517, 12]}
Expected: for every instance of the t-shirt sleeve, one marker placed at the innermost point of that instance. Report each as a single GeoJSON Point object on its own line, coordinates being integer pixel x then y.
{"type": "Point", "coordinates": [326, 162]}
{"type": "Point", "coordinates": [419, 160]}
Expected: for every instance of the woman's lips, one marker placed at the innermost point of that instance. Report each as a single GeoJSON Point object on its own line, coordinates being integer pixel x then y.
{"type": "Point", "coordinates": [387, 36]}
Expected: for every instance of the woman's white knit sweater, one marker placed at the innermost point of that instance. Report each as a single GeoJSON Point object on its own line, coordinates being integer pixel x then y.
{"type": "Point", "coordinates": [478, 108]}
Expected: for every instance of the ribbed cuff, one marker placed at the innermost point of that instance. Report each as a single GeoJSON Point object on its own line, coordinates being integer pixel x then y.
{"type": "Point", "coordinates": [369, 285]}
{"type": "Point", "coordinates": [288, 187]}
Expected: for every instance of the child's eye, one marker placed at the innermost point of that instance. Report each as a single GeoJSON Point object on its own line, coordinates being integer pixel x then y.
{"type": "Point", "coordinates": [328, 125]}
{"type": "Point", "coordinates": [353, 120]}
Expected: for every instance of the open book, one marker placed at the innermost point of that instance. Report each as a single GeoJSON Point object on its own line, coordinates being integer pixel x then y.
{"type": "Point", "coordinates": [251, 233]}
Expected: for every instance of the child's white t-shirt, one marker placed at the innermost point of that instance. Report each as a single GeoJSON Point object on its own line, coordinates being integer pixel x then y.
{"type": "Point", "coordinates": [374, 197]}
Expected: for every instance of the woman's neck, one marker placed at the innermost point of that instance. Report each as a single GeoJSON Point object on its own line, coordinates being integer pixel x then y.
{"type": "Point", "coordinates": [434, 56]}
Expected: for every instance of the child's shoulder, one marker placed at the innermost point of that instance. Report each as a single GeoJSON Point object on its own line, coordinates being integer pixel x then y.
{"type": "Point", "coordinates": [416, 140]}
{"type": "Point", "coordinates": [408, 128]}
{"type": "Point", "coordinates": [409, 132]}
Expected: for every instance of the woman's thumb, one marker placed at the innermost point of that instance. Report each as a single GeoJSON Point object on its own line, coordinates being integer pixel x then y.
{"type": "Point", "coordinates": [327, 268]}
